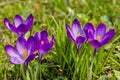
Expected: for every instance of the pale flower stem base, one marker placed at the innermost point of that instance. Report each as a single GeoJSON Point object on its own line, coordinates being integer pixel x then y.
{"type": "Point", "coordinates": [36, 72]}
{"type": "Point", "coordinates": [27, 74]}
{"type": "Point", "coordinates": [77, 59]}
{"type": "Point", "coordinates": [91, 66]}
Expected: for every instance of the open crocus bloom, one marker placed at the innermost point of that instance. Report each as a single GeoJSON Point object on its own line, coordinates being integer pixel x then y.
{"type": "Point", "coordinates": [19, 27]}
{"type": "Point", "coordinates": [43, 44]}
{"type": "Point", "coordinates": [98, 37]}
{"type": "Point", "coordinates": [76, 34]}
{"type": "Point", "coordinates": [24, 51]}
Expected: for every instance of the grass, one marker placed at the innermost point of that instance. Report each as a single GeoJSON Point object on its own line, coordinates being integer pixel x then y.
{"type": "Point", "coordinates": [61, 63]}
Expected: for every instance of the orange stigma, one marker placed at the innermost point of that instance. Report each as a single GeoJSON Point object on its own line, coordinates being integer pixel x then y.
{"type": "Point", "coordinates": [42, 42]}
{"type": "Point", "coordinates": [25, 54]}
{"type": "Point", "coordinates": [98, 38]}
{"type": "Point", "coordinates": [78, 35]}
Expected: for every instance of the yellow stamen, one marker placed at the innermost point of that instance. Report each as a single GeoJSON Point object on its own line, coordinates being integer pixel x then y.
{"type": "Point", "coordinates": [98, 38]}
{"type": "Point", "coordinates": [25, 54]}
{"type": "Point", "coordinates": [42, 42]}
{"type": "Point", "coordinates": [78, 35]}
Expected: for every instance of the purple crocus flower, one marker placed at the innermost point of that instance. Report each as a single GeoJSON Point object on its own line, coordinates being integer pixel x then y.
{"type": "Point", "coordinates": [19, 27]}
{"type": "Point", "coordinates": [76, 34]}
{"type": "Point", "coordinates": [23, 53]}
{"type": "Point", "coordinates": [43, 44]}
{"type": "Point", "coordinates": [98, 37]}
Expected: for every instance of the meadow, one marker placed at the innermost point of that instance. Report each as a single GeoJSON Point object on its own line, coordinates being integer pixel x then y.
{"type": "Point", "coordinates": [61, 62]}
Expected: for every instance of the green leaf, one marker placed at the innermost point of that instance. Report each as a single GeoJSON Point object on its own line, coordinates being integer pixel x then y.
{"type": "Point", "coordinates": [117, 74]}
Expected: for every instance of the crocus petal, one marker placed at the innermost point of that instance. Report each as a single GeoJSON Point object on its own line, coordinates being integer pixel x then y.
{"type": "Point", "coordinates": [80, 40]}
{"type": "Point", "coordinates": [17, 20]}
{"type": "Point", "coordinates": [21, 30]}
{"type": "Point", "coordinates": [91, 36]}
{"type": "Point", "coordinates": [29, 22]}
{"type": "Point", "coordinates": [70, 33]}
{"type": "Point", "coordinates": [30, 58]}
{"type": "Point", "coordinates": [101, 30]}
{"type": "Point", "coordinates": [52, 41]}
{"type": "Point", "coordinates": [44, 36]}
{"type": "Point", "coordinates": [88, 28]}
{"type": "Point", "coordinates": [31, 45]}
{"type": "Point", "coordinates": [44, 48]}
{"type": "Point", "coordinates": [21, 44]}
{"type": "Point", "coordinates": [44, 33]}
{"type": "Point", "coordinates": [37, 36]}
{"type": "Point", "coordinates": [11, 51]}
{"type": "Point", "coordinates": [106, 40]}
{"type": "Point", "coordinates": [76, 28]}
{"type": "Point", "coordinates": [108, 37]}
{"type": "Point", "coordinates": [110, 34]}
{"type": "Point", "coordinates": [13, 28]}
{"type": "Point", "coordinates": [6, 23]}
{"type": "Point", "coordinates": [15, 60]}
{"type": "Point", "coordinates": [95, 44]}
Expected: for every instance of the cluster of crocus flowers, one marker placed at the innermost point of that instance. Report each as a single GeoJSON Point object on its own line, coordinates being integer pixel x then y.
{"type": "Point", "coordinates": [24, 51]}
{"type": "Point", "coordinates": [98, 37]}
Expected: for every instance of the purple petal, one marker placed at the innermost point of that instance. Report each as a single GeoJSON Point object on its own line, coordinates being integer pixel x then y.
{"type": "Point", "coordinates": [29, 22]}
{"type": "Point", "coordinates": [91, 36]}
{"type": "Point", "coordinates": [11, 51]}
{"type": "Point", "coordinates": [52, 41]}
{"type": "Point", "coordinates": [37, 36]}
{"type": "Point", "coordinates": [13, 28]}
{"type": "Point", "coordinates": [6, 23]}
{"type": "Point", "coordinates": [44, 36]}
{"type": "Point", "coordinates": [31, 45]}
{"type": "Point", "coordinates": [76, 28]}
{"type": "Point", "coordinates": [80, 40]}
{"type": "Point", "coordinates": [89, 28]}
{"type": "Point", "coordinates": [18, 20]}
{"type": "Point", "coordinates": [44, 48]}
{"type": "Point", "coordinates": [30, 58]}
{"type": "Point", "coordinates": [110, 34]}
{"type": "Point", "coordinates": [95, 44]}
{"type": "Point", "coordinates": [44, 33]}
{"type": "Point", "coordinates": [108, 37]}
{"type": "Point", "coordinates": [15, 60]}
{"type": "Point", "coordinates": [21, 45]}
{"type": "Point", "coordinates": [70, 33]}
{"type": "Point", "coordinates": [21, 29]}
{"type": "Point", "coordinates": [101, 30]}
{"type": "Point", "coordinates": [106, 40]}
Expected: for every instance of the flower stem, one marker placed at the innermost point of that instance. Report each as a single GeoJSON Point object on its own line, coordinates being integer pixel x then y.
{"type": "Point", "coordinates": [37, 69]}
{"type": "Point", "coordinates": [91, 66]}
{"type": "Point", "coordinates": [76, 62]}
{"type": "Point", "coordinates": [27, 73]}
